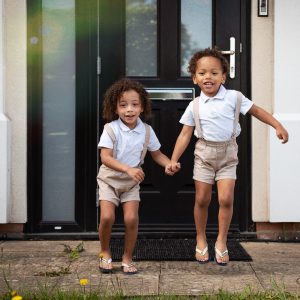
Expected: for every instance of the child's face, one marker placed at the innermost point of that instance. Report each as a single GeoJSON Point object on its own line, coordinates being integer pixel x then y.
{"type": "Point", "coordinates": [129, 108]}
{"type": "Point", "coordinates": [209, 75]}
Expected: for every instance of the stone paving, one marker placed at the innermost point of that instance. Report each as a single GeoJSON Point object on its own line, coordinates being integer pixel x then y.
{"type": "Point", "coordinates": [31, 265]}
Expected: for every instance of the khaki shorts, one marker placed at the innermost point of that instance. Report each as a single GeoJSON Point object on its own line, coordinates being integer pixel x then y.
{"type": "Point", "coordinates": [116, 187]}
{"type": "Point", "coordinates": [215, 160]}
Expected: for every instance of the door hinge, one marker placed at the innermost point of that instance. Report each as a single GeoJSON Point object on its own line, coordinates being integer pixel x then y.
{"type": "Point", "coordinates": [98, 65]}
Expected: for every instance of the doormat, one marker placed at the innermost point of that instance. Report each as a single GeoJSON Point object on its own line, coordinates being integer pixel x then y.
{"type": "Point", "coordinates": [173, 250]}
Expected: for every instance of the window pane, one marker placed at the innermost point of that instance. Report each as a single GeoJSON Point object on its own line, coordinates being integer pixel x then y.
{"type": "Point", "coordinates": [58, 110]}
{"type": "Point", "coordinates": [196, 29]}
{"type": "Point", "coordinates": [141, 38]}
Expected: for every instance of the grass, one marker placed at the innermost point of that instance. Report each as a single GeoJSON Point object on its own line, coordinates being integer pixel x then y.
{"type": "Point", "coordinates": [220, 295]}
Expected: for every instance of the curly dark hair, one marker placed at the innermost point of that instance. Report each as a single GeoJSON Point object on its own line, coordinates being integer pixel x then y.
{"type": "Point", "coordinates": [214, 52]}
{"type": "Point", "coordinates": [114, 94]}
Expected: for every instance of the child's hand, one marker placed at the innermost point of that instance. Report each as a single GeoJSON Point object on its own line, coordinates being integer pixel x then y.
{"type": "Point", "coordinates": [168, 170]}
{"type": "Point", "coordinates": [282, 134]}
{"type": "Point", "coordinates": [172, 168]}
{"type": "Point", "coordinates": [136, 174]}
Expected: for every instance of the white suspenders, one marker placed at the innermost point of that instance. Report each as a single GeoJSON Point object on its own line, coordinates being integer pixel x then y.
{"type": "Point", "coordinates": [235, 121]}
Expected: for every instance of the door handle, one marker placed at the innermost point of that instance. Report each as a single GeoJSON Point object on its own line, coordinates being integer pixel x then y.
{"type": "Point", "coordinates": [231, 52]}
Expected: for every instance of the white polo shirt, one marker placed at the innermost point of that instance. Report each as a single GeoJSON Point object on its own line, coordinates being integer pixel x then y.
{"type": "Point", "coordinates": [216, 114]}
{"type": "Point", "coordinates": [129, 142]}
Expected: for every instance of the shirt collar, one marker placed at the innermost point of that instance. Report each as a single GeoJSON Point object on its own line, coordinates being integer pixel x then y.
{"type": "Point", "coordinates": [220, 95]}
{"type": "Point", "coordinates": [138, 128]}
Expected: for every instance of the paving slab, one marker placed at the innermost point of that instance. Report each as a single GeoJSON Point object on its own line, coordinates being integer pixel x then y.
{"type": "Point", "coordinates": [34, 265]}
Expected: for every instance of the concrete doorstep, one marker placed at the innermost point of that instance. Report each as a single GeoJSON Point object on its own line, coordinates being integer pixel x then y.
{"type": "Point", "coordinates": [30, 265]}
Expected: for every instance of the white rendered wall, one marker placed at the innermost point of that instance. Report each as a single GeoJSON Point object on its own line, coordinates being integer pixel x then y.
{"type": "Point", "coordinates": [5, 132]}
{"type": "Point", "coordinates": [16, 103]}
{"type": "Point", "coordinates": [262, 73]}
{"type": "Point", "coordinates": [285, 159]}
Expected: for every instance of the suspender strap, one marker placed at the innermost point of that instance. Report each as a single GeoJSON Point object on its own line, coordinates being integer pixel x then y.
{"type": "Point", "coordinates": [145, 146]}
{"type": "Point", "coordinates": [146, 143]}
{"type": "Point", "coordinates": [237, 112]}
{"type": "Point", "coordinates": [112, 136]}
{"type": "Point", "coordinates": [196, 117]}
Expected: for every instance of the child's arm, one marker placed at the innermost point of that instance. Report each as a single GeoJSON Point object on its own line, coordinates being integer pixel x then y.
{"type": "Point", "coordinates": [267, 118]}
{"type": "Point", "coordinates": [181, 144]}
{"type": "Point", "coordinates": [107, 159]}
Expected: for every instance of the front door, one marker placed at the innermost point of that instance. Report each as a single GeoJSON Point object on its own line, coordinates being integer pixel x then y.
{"type": "Point", "coordinates": [76, 50]}
{"type": "Point", "coordinates": [151, 41]}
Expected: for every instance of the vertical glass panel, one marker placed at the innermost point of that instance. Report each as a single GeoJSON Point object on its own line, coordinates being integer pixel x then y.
{"type": "Point", "coordinates": [141, 38]}
{"type": "Point", "coordinates": [196, 29]}
{"type": "Point", "coordinates": [58, 110]}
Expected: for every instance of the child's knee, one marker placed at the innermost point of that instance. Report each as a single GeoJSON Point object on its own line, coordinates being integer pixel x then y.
{"type": "Point", "coordinates": [226, 201]}
{"type": "Point", "coordinates": [107, 219]}
{"type": "Point", "coordinates": [131, 220]}
{"type": "Point", "coordinates": [202, 202]}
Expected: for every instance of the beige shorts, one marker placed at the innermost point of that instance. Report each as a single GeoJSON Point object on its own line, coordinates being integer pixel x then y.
{"type": "Point", "coordinates": [215, 160]}
{"type": "Point", "coordinates": [116, 187]}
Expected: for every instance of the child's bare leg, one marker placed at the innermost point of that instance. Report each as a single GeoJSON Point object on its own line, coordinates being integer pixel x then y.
{"type": "Point", "coordinates": [131, 221]}
{"type": "Point", "coordinates": [202, 201]}
{"type": "Point", "coordinates": [225, 197]}
{"type": "Point", "coordinates": [107, 219]}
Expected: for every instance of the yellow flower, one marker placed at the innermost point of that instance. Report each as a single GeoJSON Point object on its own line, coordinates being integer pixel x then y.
{"type": "Point", "coordinates": [83, 281]}
{"type": "Point", "coordinates": [16, 297]}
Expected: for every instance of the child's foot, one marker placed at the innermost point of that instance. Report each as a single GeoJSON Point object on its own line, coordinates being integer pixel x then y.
{"type": "Point", "coordinates": [221, 255]}
{"type": "Point", "coordinates": [202, 255]}
{"type": "Point", "coordinates": [129, 268]}
{"type": "Point", "coordinates": [105, 264]}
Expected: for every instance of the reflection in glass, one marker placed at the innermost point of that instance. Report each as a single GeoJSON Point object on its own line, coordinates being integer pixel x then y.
{"type": "Point", "coordinates": [196, 29]}
{"type": "Point", "coordinates": [58, 110]}
{"type": "Point", "coordinates": [141, 38]}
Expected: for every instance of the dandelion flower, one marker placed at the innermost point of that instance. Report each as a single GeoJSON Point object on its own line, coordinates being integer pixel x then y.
{"type": "Point", "coordinates": [17, 297]}
{"type": "Point", "coordinates": [83, 281]}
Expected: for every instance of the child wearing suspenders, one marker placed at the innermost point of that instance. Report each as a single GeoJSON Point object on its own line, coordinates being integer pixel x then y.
{"type": "Point", "coordinates": [124, 143]}
{"type": "Point", "coordinates": [213, 118]}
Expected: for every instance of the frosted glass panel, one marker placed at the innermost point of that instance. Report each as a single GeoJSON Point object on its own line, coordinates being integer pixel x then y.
{"type": "Point", "coordinates": [141, 38]}
{"type": "Point", "coordinates": [58, 110]}
{"type": "Point", "coordinates": [196, 29]}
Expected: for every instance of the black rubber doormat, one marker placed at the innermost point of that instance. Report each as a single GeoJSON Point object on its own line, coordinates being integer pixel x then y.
{"type": "Point", "coordinates": [173, 249]}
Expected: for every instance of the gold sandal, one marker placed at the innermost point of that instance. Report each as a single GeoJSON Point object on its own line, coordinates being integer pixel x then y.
{"type": "Point", "coordinates": [105, 264]}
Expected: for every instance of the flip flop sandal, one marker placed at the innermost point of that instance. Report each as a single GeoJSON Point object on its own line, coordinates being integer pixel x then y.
{"type": "Point", "coordinates": [202, 253]}
{"type": "Point", "coordinates": [221, 255]}
{"type": "Point", "coordinates": [105, 262]}
{"type": "Point", "coordinates": [128, 266]}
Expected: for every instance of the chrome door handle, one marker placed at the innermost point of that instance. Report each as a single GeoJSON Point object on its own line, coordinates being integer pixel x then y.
{"type": "Point", "coordinates": [231, 52]}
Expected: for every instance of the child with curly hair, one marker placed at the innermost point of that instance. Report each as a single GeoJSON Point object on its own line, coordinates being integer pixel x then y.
{"type": "Point", "coordinates": [124, 143]}
{"type": "Point", "coordinates": [213, 118]}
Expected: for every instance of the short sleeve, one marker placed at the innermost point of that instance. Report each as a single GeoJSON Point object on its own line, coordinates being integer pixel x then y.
{"type": "Point", "coordinates": [154, 143]}
{"type": "Point", "coordinates": [105, 141]}
{"type": "Point", "coordinates": [187, 118]}
{"type": "Point", "coordinates": [246, 105]}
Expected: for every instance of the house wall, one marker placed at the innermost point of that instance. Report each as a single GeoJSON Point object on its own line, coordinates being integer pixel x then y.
{"type": "Point", "coordinates": [13, 50]}
{"type": "Point", "coordinates": [275, 71]}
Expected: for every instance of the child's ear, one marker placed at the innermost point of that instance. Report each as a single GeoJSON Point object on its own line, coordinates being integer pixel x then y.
{"type": "Point", "coordinates": [194, 79]}
{"type": "Point", "coordinates": [223, 78]}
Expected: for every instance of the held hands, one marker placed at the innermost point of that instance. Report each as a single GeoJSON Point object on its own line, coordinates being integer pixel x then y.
{"type": "Point", "coordinates": [172, 168]}
{"type": "Point", "coordinates": [136, 174]}
{"type": "Point", "coordinates": [282, 134]}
